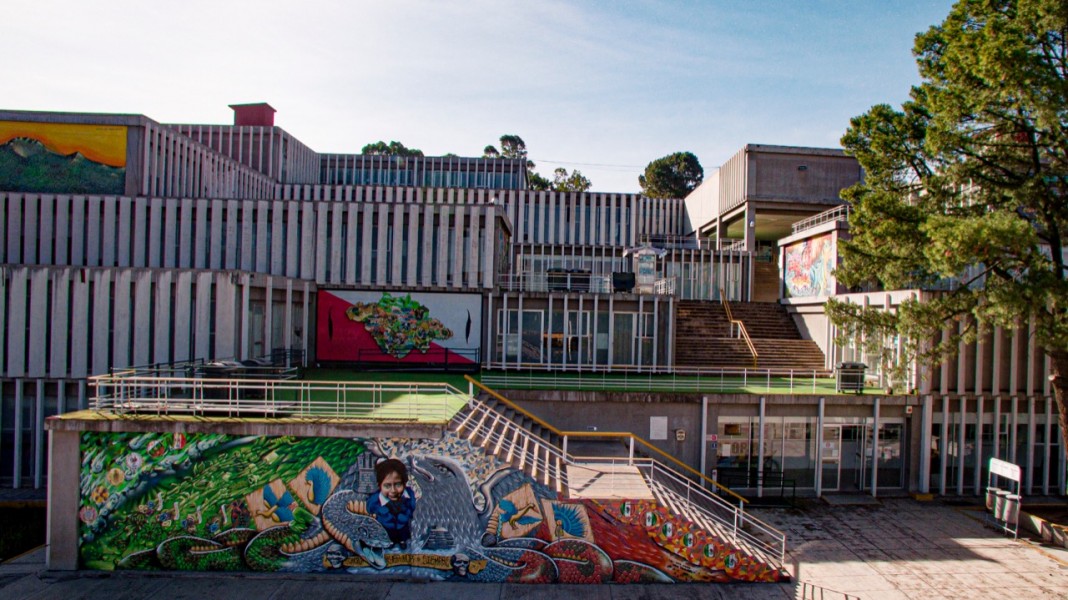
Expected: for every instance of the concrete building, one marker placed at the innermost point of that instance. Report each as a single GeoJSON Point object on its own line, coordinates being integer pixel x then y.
{"type": "Point", "coordinates": [150, 243]}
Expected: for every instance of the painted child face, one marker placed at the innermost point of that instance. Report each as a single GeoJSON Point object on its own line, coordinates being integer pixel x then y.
{"type": "Point", "coordinates": [392, 487]}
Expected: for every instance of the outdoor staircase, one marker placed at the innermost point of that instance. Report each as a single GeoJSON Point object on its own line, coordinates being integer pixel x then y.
{"type": "Point", "coordinates": [516, 437]}
{"type": "Point", "coordinates": [735, 532]}
{"type": "Point", "coordinates": [703, 338]}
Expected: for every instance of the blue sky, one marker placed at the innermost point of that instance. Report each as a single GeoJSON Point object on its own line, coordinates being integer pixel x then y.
{"type": "Point", "coordinates": [604, 87]}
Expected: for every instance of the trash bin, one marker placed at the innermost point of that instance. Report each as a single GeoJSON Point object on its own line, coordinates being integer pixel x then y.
{"type": "Point", "coordinates": [991, 496]}
{"type": "Point", "coordinates": [999, 504]}
{"type": "Point", "coordinates": [1012, 509]}
{"type": "Point", "coordinates": [850, 376]}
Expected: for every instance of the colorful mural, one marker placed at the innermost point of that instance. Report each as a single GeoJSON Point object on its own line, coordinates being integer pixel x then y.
{"type": "Point", "coordinates": [410, 328]}
{"type": "Point", "coordinates": [429, 509]}
{"type": "Point", "coordinates": [809, 264]}
{"type": "Point", "coordinates": [62, 157]}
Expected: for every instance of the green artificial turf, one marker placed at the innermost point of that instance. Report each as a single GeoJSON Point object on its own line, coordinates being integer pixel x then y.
{"type": "Point", "coordinates": [636, 382]}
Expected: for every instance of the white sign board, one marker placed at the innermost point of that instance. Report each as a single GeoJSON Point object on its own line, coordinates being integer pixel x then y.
{"type": "Point", "coordinates": [658, 428]}
{"type": "Point", "coordinates": [1005, 469]}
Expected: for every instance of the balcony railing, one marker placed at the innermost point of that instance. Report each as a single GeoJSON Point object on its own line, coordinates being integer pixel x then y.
{"type": "Point", "coordinates": [838, 213]}
{"type": "Point", "coordinates": [232, 395]}
{"type": "Point", "coordinates": [582, 282]}
{"type": "Point", "coordinates": [670, 241]}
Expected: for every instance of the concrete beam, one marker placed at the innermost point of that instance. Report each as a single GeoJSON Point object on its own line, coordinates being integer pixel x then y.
{"type": "Point", "coordinates": [64, 475]}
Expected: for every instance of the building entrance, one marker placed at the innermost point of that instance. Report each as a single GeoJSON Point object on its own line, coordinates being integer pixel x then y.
{"type": "Point", "coordinates": [846, 458]}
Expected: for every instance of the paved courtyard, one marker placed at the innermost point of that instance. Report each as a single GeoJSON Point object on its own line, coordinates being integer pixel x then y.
{"type": "Point", "coordinates": [897, 548]}
{"type": "Point", "coordinates": [900, 548]}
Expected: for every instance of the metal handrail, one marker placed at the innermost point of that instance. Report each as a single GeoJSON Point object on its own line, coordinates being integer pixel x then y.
{"type": "Point", "coordinates": [121, 393]}
{"type": "Point", "coordinates": [744, 526]}
{"type": "Point", "coordinates": [601, 435]}
{"type": "Point", "coordinates": [665, 379]}
{"type": "Point", "coordinates": [505, 442]}
{"type": "Point", "coordinates": [838, 213]}
{"type": "Point", "coordinates": [665, 286]}
{"type": "Point", "coordinates": [568, 282]}
{"type": "Point", "coordinates": [737, 522]}
{"type": "Point", "coordinates": [741, 327]}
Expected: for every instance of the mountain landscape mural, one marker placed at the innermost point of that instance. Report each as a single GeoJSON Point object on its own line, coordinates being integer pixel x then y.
{"type": "Point", "coordinates": [27, 165]}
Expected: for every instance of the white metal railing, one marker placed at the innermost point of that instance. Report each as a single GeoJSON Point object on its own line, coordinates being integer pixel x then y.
{"type": "Point", "coordinates": [513, 443]}
{"type": "Point", "coordinates": [502, 436]}
{"type": "Point", "coordinates": [124, 393]}
{"type": "Point", "coordinates": [810, 591]}
{"type": "Point", "coordinates": [691, 241]}
{"type": "Point", "coordinates": [713, 511]}
{"type": "Point", "coordinates": [734, 246]}
{"type": "Point", "coordinates": [656, 379]}
{"type": "Point", "coordinates": [838, 213]}
{"type": "Point", "coordinates": [664, 287]}
{"type": "Point", "coordinates": [574, 282]}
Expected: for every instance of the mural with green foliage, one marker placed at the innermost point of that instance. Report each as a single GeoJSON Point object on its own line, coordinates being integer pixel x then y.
{"type": "Point", "coordinates": [435, 509]}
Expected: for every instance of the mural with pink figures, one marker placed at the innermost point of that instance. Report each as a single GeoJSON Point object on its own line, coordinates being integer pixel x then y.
{"type": "Point", "coordinates": [808, 267]}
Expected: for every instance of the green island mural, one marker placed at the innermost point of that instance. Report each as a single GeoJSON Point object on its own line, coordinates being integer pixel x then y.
{"type": "Point", "coordinates": [399, 324]}
{"type": "Point", "coordinates": [430, 509]}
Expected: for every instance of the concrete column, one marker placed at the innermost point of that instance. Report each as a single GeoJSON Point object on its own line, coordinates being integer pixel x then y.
{"type": "Point", "coordinates": [1015, 426]}
{"type": "Point", "coordinates": [486, 344]}
{"type": "Point", "coordinates": [925, 445]}
{"type": "Point", "coordinates": [760, 450]}
{"type": "Point", "coordinates": [976, 479]}
{"type": "Point", "coordinates": [704, 435]}
{"type": "Point", "coordinates": [1029, 470]}
{"type": "Point", "coordinates": [750, 230]}
{"type": "Point", "coordinates": [16, 472]}
{"type": "Point", "coordinates": [875, 449]}
{"type": "Point", "coordinates": [519, 332]}
{"type": "Point", "coordinates": [63, 477]}
{"type": "Point", "coordinates": [38, 434]}
{"type": "Point", "coordinates": [997, 427]}
{"type": "Point", "coordinates": [819, 446]}
{"type": "Point", "coordinates": [1047, 446]}
{"type": "Point", "coordinates": [943, 446]}
{"type": "Point", "coordinates": [962, 420]}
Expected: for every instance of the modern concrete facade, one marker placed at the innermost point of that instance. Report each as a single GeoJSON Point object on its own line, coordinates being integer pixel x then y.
{"type": "Point", "coordinates": [224, 234]}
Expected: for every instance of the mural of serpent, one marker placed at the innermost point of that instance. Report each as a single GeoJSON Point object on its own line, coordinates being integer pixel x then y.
{"type": "Point", "coordinates": [280, 506]}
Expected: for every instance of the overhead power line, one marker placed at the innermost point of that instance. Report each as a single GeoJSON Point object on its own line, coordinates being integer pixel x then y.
{"type": "Point", "coordinates": [582, 164]}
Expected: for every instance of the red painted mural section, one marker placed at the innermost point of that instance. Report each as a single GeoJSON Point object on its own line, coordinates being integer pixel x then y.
{"type": "Point", "coordinates": [344, 340]}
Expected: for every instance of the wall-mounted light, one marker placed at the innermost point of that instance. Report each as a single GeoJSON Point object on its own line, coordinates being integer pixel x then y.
{"type": "Point", "coordinates": [802, 168]}
{"type": "Point", "coordinates": [752, 223]}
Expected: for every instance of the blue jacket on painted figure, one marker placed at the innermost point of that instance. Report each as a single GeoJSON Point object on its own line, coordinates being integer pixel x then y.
{"type": "Point", "coordinates": [395, 517]}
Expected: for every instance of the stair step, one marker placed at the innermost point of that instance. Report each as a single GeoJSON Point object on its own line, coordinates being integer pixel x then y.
{"type": "Point", "coordinates": [514, 439]}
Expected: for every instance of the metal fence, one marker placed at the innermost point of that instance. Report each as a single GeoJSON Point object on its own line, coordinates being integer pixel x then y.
{"type": "Point", "coordinates": [662, 379]}
{"type": "Point", "coordinates": [128, 393]}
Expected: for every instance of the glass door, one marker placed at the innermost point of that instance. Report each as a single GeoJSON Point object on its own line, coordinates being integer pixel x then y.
{"type": "Point", "coordinates": [831, 458]}
{"type": "Point", "coordinates": [623, 338]}
{"type": "Point", "coordinates": [855, 456]}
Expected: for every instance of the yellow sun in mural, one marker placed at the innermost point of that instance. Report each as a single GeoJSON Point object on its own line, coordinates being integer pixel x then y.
{"type": "Point", "coordinates": [99, 143]}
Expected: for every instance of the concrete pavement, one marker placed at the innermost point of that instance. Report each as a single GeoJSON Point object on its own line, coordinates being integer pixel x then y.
{"type": "Point", "coordinates": [897, 548]}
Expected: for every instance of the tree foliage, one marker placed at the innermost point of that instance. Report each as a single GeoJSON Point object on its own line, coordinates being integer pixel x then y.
{"type": "Point", "coordinates": [513, 146]}
{"type": "Point", "coordinates": [672, 176]}
{"type": "Point", "coordinates": [393, 148]}
{"type": "Point", "coordinates": [965, 184]}
{"type": "Point", "coordinates": [569, 182]}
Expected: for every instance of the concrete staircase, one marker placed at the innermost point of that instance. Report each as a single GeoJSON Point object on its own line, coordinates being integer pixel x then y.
{"type": "Point", "coordinates": [703, 337]}
{"type": "Point", "coordinates": [516, 437]}
{"type": "Point", "coordinates": [737, 532]}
